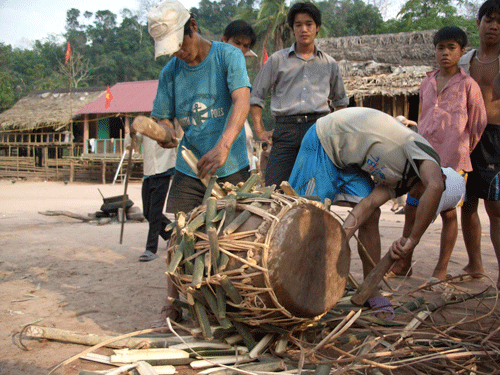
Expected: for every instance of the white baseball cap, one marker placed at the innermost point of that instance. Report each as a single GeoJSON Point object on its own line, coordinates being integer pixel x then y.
{"type": "Point", "coordinates": [166, 25]}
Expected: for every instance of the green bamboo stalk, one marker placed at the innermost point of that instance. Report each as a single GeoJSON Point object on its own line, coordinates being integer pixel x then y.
{"type": "Point", "coordinates": [202, 318]}
{"type": "Point", "coordinates": [213, 242]}
{"type": "Point", "coordinates": [198, 270]}
{"type": "Point", "coordinates": [178, 255]}
{"type": "Point", "coordinates": [245, 333]}
{"type": "Point", "coordinates": [230, 208]}
{"type": "Point", "coordinates": [210, 187]}
{"type": "Point", "coordinates": [212, 303]}
{"type": "Point", "coordinates": [220, 295]}
{"type": "Point", "coordinates": [323, 369]}
{"type": "Point", "coordinates": [245, 215]}
{"type": "Point", "coordinates": [410, 306]}
{"type": "Point", "coordinates": [230, 290]}
{"type": "Point", "coordinates": [210, 213]}
{"type": "Point", "coordinates": [249, 184]}
{"type": "Point", "coordinates": [197, 222]}
{"type": "Point", "coordinates": [223, 261]}
{"type": "Point", "coordinates": [178, 303]}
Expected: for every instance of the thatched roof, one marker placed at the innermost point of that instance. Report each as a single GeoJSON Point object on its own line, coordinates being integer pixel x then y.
{"type": "Point", "coordinates": [371, 78]}
{"type": "Point", "coordinates": [384, 64]}
{"type": "Point", "coordinates": [403, 49]}
{"type": "Point", "coordinates": [47, 108]}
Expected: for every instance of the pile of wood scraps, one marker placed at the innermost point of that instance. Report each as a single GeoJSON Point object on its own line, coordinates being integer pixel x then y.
{"type": "Point", "coordinates": [433, 333]}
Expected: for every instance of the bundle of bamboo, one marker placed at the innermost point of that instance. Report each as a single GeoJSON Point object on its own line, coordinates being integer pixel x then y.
{"type": "Point", "coordinates": [258, 257]}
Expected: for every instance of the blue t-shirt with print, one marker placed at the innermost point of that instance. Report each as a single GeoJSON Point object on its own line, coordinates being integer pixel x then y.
{"type": "Point", "coordinates": [199, 97]}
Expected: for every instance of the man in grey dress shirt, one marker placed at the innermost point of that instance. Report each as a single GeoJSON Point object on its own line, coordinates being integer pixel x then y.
{"type": "Point", "coordinates": [305, 82]}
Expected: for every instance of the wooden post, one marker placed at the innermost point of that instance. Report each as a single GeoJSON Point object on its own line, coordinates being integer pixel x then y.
{"type": "Point", "coordinates": [85, 133]}
{"type": "Point", "coordinates": [104, 172]}
{"type": "Point", "coordinates": [57, 163]}
{"type": "Point", "coordinates": [71, 170]}
{"type": "Point", "coordinates": [17, 162]}
{"type": "Point", "coordinates": [46, 157]}
{"type": "Point", "coordinates": [406, 109]}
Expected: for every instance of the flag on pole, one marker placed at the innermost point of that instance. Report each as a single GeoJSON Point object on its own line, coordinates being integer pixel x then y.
{"type": "Point", "coordinates": [68, 54]}
{"type": "Point", "coordinates": [109, 98]}
{"type": "Point", "coordinates": [265, 55]}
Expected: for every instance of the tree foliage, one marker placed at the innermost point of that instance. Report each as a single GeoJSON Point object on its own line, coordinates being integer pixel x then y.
{"type": "Point", "coordinates": [108, 48]}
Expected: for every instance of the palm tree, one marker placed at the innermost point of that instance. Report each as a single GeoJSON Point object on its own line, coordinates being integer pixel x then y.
{"type": "Point", "coordinates": [271, 21]}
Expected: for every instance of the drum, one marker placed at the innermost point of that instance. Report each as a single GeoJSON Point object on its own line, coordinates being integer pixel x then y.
{"type": "Point", "coordinates": [276, 259]}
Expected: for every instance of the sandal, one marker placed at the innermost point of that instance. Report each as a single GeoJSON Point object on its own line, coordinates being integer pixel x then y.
{"type": "Point", "coordinates": [147, 256]}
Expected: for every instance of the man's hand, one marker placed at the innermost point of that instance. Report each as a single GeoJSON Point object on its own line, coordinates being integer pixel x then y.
{"type": "Point", "coordinates": [266, 136]}
{"type": "Point", "coordinates": [173, 142]}
{"type": "Point", "coordinates": [212, 160]}
{"type": "Point", "coordinates": [402, 247]}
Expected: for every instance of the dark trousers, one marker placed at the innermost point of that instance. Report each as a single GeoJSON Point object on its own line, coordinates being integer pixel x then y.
{"type": "Point", "coordinates": [187, 192]}
{"type": "Point", "coordinates": [287, 138]}
{"type": "Point", "coordinates": [154, 193]}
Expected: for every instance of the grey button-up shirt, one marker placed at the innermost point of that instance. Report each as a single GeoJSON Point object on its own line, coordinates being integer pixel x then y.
{"type": "Point", "coordinates": [299, 86]}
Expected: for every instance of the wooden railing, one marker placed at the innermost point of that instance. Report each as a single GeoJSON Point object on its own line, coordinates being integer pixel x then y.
{"type": "Point", "coordinates": [26, 139]}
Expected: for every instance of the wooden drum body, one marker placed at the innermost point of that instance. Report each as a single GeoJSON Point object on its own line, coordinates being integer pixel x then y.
{"type": "Point", "coordinates": [288, 262]}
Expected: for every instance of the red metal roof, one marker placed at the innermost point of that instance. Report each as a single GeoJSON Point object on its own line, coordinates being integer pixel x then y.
{"type": "Point", "coordinates": [128, 97]}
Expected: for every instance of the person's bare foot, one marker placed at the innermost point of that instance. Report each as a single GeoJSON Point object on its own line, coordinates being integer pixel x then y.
{"type": "Point", "coordinates": [475, 272]}
{"type": "Point", "coordinates": [400, 268]}
{"type": "Point", "coordinates": [440, 274]}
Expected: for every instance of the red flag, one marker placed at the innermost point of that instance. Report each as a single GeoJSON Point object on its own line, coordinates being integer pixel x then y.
{"type": "Point", "coordinates": [109, 98]}
{"type": "Point", "coordinates": [265, 55]}
{"type": "Point", "coordinates": [68, 54]}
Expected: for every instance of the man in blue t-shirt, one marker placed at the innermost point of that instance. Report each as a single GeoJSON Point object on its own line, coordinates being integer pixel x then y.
{"type": "Point", "coordinates": [206, 88]}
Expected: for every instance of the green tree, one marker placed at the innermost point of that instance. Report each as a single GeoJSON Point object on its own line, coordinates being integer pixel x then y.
{"type": "Point", "coordinates": [271, 25]}
{"type": "Point", "coordinates": [431, 15]}
{"type": "Point", "coordinates": [350, 17]}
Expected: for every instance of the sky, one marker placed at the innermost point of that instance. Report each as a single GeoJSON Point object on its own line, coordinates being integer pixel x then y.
{"type": "Point", "coordinates": [24, 21]}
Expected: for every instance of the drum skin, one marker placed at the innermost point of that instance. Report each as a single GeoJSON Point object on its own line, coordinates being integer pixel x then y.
{"type": "Point", "coordinates": [308, 261]}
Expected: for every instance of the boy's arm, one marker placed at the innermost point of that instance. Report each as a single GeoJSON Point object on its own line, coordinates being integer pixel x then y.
{"type": "Point", "coordinates": [476, 111]}
{"type": "Point", "coordinates": [217, 156]}
{"type": "Point", "coordinates": [260, 87]}
{"type": "Point", "coordinates": [432, 180]}
{"type": "Point", "coordinates": [364, 209]}
{"type": "Point", "coordinates": [258, 124]}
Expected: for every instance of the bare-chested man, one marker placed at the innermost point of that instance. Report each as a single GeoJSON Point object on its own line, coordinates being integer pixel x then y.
{"type": "Point", "coordinates": [484, 182]}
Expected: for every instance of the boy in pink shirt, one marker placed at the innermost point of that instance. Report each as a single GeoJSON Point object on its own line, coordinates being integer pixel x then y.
{"type": "Point", "coordinates": [452, 119]}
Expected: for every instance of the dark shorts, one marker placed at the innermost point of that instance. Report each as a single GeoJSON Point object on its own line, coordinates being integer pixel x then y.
{"type": "Point", "coordinates": [484, 180]}
{"type": "Point", "coordinates": [484, 183]}
{"type": "Point", "coordinates": [187, 192]}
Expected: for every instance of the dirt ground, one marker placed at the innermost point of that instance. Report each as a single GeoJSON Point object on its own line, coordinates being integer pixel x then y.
{"type": "Point", "coordinates": [61, 272]}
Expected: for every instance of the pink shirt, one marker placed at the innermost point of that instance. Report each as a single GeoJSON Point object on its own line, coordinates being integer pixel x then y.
{"type": "Point", "coordinates": [454, 120]}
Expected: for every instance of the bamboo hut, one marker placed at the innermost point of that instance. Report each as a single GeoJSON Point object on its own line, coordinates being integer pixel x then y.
{"type": "Point", "coordinates": [384, 71]}
{"type": "Point", "coordinates": [38, 132]}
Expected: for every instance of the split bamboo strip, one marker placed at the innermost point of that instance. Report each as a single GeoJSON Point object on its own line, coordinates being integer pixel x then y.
{"type": "Point", "coordinates": [261, 345]}
{"type": "Point", "coordinates": [133, 355]}
{"type": "Point", "coordinates": [51, 333]}
{"type": "Point", "coordinates": [225, 360]}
